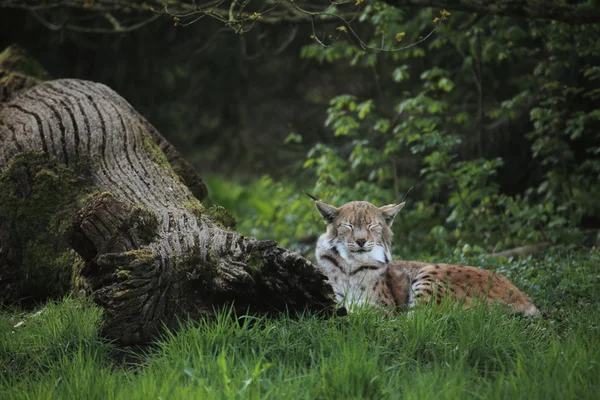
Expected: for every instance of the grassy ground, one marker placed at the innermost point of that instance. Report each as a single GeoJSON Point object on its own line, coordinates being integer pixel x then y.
{"type": "Point", "coordinates": [441, 353]}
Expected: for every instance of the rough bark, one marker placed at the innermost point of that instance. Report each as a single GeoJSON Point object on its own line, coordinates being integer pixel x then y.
{"type": "Point", "coordinates": [147, 250]}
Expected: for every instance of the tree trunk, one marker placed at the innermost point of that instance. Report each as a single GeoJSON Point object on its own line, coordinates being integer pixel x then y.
{"type": "Point", "coordinates": [81, 170]}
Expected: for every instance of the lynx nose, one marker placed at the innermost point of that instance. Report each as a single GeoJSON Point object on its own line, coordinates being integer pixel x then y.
{"type": "Point", "coordinates": [361, 242]}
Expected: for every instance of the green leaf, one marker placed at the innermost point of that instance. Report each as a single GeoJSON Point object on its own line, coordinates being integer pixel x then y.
{"type": "Point", "coordinates": [293, 138]}
{"type": "Point", "coordinates": [400, 74]}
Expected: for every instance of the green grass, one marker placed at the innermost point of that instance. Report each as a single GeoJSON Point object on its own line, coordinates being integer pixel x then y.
{"type": "Point", "coordinates": [435, 353]}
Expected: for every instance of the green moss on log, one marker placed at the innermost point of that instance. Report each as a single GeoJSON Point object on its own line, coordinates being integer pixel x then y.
{"type": "Point", "coordinates": [144, 221]}
{"type": "Point", "coordinates": [38, 197]}
{"type": "Point", "coordinates": [154, 152]}
{"type": "Point", "coordinates": [79, 285]}
{"type": "Point", "coordinates": [141, 256]}
{"type": "Point", "coordinates": [18, 72]}
{"type": "Point", "coordinates": [223, 218]}
{"type": "Point", "coordinates": [16, 59]}
{"type": "Point", "coordinates": [123, 274]}
{"type": "Point", "coordinates": [255, 261]}
{"type": "Point", "coordinates": [195, 208]}
{"type": "Point", "coordinates": [192, 266]}
{"type": "Point", "coordinates": [12, 83]}
{"type": "Point", "coordinates": [158, 157]}
{"type": "Point", "coordinates": [191, 272]}
{"type": "Point", "coordinates": [84, 198]}
{"type": "Point", "coordinates": [217, 214]}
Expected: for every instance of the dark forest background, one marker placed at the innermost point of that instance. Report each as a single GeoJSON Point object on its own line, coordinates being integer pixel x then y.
{"type": "Point", "coordinates": [492, 120]}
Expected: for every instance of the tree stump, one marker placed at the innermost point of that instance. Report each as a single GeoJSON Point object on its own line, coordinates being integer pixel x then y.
{"type": "Point", "coordinates": [94, 200]}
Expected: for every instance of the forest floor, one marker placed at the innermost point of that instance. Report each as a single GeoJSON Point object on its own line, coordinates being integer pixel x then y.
{"type": "Point", "coordinates": [437, 352]}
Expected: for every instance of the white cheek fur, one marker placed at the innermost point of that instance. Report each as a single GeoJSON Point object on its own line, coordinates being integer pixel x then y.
{"type": "Point", "coordinates": [378, 253]}
{"type": "Point", "coordinates": [343, 251]}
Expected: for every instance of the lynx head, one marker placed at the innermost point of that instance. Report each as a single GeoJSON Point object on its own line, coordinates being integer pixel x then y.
{"type": "Point", "coordinates": [358, 230]}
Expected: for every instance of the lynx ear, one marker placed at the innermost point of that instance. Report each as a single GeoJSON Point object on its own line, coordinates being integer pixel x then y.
{"type": "Point", "coordinates": [390, 211]}
{"type": "Point", "coordinates": [328, 212]}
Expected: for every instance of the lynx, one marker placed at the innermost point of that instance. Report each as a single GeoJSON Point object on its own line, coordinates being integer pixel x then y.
{"type": "Point", "coordinates": [355, 254]}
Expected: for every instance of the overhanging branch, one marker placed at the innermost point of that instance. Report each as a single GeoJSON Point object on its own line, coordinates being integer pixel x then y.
{"type": "Point", "coordinates": [278, 11]}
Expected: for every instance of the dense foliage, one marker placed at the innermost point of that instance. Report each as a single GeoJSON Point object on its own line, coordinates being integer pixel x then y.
{"type": "Point", "coordinates": [493, 121]}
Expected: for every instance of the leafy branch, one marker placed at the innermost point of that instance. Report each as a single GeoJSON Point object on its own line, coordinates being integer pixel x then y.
{"type": "Point", "coordinates": [240, 16]}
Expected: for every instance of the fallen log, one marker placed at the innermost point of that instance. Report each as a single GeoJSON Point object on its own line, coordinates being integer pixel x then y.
{"type": "Point", "coordinates": [93, 200]}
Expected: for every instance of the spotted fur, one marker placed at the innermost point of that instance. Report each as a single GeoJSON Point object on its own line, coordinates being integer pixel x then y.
{"type": "Point", "coordinates": [355, 254]}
